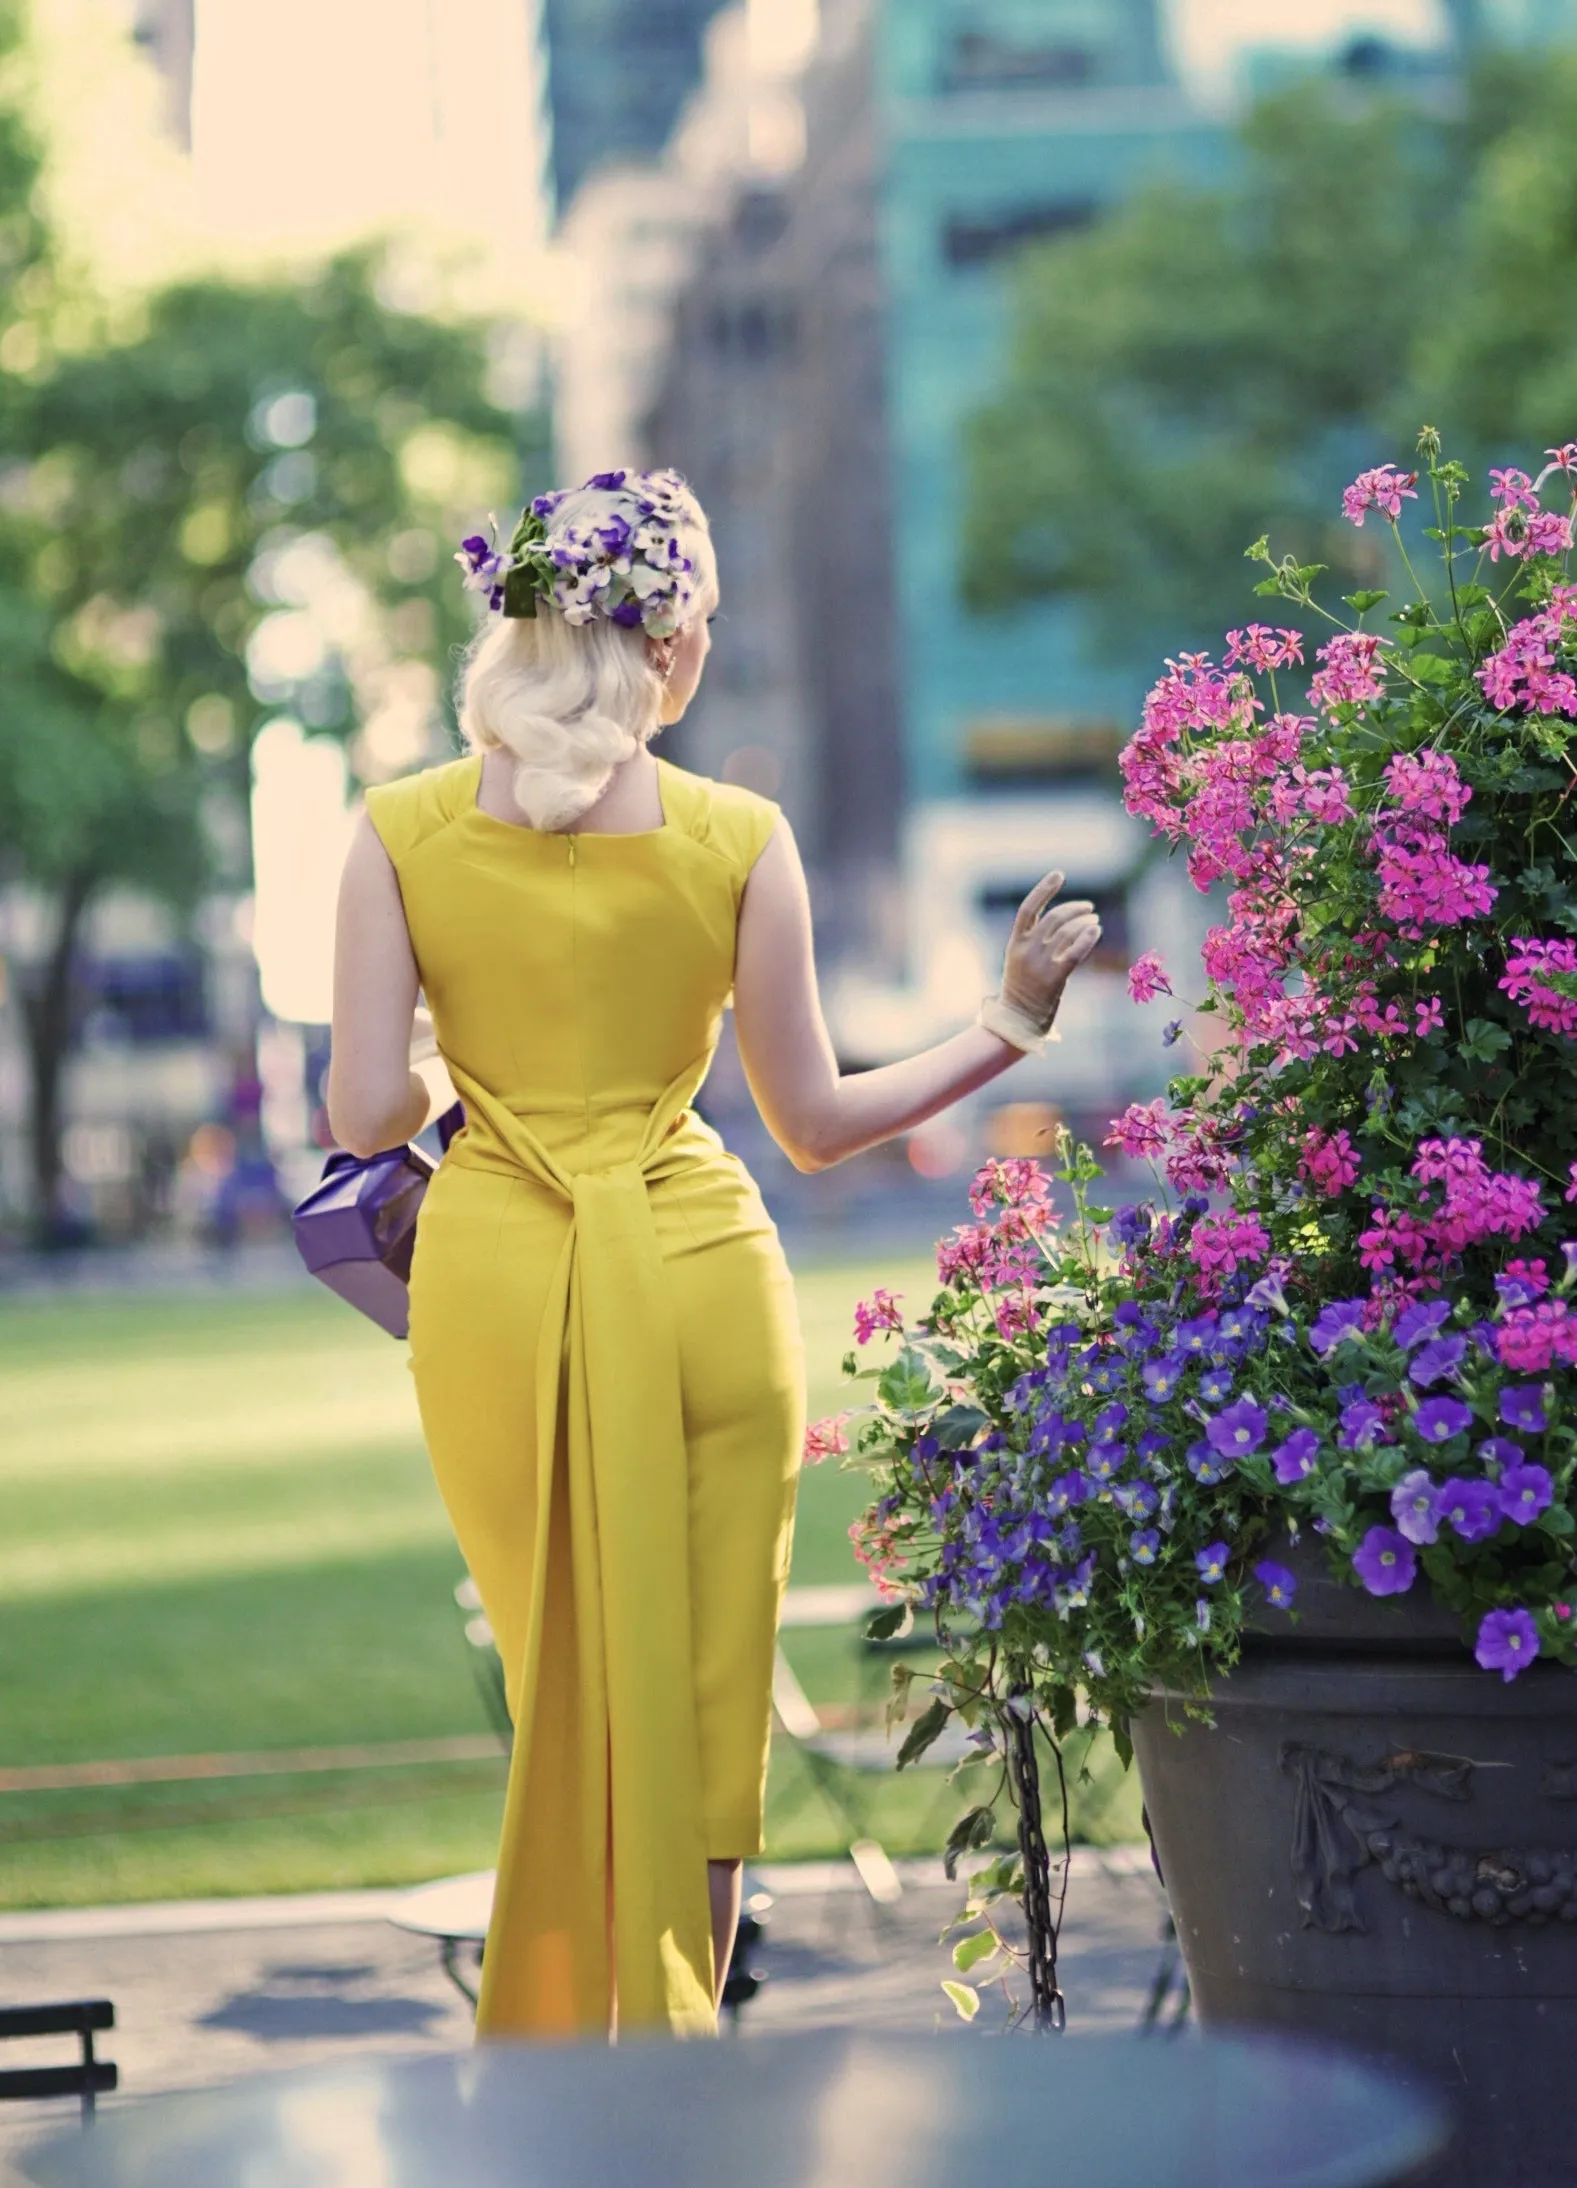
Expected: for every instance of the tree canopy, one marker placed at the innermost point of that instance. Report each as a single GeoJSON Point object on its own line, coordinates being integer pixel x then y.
{"type": "Point", "coordinates": [1202, 367]}
{"type": "Point", "coordinates": [231, 499]}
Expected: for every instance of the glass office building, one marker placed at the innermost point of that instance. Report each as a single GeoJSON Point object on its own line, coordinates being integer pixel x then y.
{"type": "Point", "coordinates": [618, 74]}
{"type": "Point", "coordinates": [1005, 120]}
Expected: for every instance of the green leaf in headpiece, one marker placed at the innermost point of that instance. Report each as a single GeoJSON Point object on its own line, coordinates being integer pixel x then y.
{"type": "Point", "coordinates": [529, 532]}
{"type": "Point", "coordinates": [520, 593]}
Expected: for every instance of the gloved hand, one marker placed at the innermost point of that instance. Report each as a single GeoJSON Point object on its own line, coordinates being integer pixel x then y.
{"type": "Point", "coordinates": [1048, 943]}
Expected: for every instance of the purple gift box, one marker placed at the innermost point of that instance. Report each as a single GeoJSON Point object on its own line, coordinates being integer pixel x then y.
{"type": "Point", "coordinates": [356, 1229]}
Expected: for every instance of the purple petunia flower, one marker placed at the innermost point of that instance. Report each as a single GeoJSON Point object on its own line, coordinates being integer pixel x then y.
{"type": "Point", "coordinates": [1362, 1422]}
{"type": "Point", "coordinates": [1161, 1377]}
{"type": "Point", "coordinates": [1241, 1326]}
{"type": "Point", "coordinates": [1507, 1642]}
{"type": "Point", "coordinates": [1239, 1430]}
{"type": "Point", "coordinates": [1103, 1460]}
{"type": "Point", "coordinates": [1472, 1508]}
{"type": "Point", "coordinates": [1522, 1406]}
{"type": "Point", "coordinates": [1439, 1419]}
{"type": "Point", "coordinates": [1336, 1323]}
{"type": "Point", "coordinates": [1433, 1362]}
{"type": "Point", "coordinates": [1525, 1492]}
{"type": "Point", "coordinates": [1144, 1546]}
{"type": "Point", "coordinates": [1195, 1336]}
{"type": "Point", "coordinates": [1295, 1458]}
{"type": "Point", "coordinates": [1384, 1561]}
{"type": "Point", "coordinates": [1267, 1293]}
{"type": "Point", "coordinates": [1413, 1506]}
{"type": "Point", "coordinates": [1215, 1385]}
{"type": "Point", "coordinates": [1207, 1464]}
{"type": "Point", "coordinates": [1501, 1451]}
{"type": "Point", "coordinates": [1280, 1586]}
{"type": "Point", "coordinates": [1415, 1323]}
{"type": "Point", "coordinates": [1131, 1223]}
{"type": "Point", "coordinates": [1212, 1562]}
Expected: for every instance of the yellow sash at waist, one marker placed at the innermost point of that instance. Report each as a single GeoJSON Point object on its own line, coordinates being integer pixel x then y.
{"type": "Point", "coordinates": [618, 1750]}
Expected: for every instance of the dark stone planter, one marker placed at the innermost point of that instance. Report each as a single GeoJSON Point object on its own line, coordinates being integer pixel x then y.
{"type": "Point", "coordinates": [1377, 1845]}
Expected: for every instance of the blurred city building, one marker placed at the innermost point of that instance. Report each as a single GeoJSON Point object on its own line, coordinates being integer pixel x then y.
{"type": "Point", "coordinates": [618, 74]}
{"type": "Point", "coordinates": [773, 402]}
{"type": "Point", "coordinates": [833, 335]}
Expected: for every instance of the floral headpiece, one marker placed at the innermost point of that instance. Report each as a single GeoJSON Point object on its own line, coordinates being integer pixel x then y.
{"type": "Point", "coordinates": [627, 565]}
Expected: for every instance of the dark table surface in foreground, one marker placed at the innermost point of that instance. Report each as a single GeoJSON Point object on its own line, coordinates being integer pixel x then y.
{"type": "Point", "coordinates": [816, 2111]}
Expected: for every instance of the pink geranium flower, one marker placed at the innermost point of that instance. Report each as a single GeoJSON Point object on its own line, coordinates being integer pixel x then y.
{"type": "Point", "coordinates": [1329, 1162]}
{"type": "Point", "coordinates": [1219, 1245]}
{"type": "Point", "coordinates": [1143, 1129]}
{"type": "Point", "coordinates": [1350, 674]}
{"type": "Point", "coordinates": [1542, 977]}
{"type": "Point", "coordinates": [1017, 1183]}
{"type": "Point", "coordinates": [825, 1439]}
{"type": "Point", "coordinates": [880, 1312]}
{"type": "Point", "coordinates": [1147, 978]}
{"type": "Point", "coordinates": [1426, 783]}
{"type": "Point", "coordinates": [1382, 489]}
{"type": "Point", "coordinates": [1516, 533]}
{"type": "Point", "coordinates": [1512, 489]}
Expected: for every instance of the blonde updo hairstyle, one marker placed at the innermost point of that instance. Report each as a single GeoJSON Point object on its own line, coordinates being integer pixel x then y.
{"type": "Point", "coordinates": [572, 701]}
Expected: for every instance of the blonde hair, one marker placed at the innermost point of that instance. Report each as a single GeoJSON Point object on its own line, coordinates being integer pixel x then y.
{"type": "Point", "coordinates": [570, 701]}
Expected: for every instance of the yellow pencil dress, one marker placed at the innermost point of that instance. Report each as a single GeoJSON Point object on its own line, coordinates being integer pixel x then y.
{"type": "Point", "coordinates": [608, 1365]}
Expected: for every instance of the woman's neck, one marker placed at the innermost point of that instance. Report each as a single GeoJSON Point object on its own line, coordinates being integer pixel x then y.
{"type": "Point", "coordinates": [631, 805]}
{"type": "Point", "coordinates": [632, 802]}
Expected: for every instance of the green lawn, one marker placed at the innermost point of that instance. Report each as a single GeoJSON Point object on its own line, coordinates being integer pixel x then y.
{"type": "Point", "coordinates": [218, 1532]}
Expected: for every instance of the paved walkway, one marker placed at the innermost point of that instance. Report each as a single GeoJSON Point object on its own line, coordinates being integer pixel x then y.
{"type": "Point", "coordinates": [207, 1992]}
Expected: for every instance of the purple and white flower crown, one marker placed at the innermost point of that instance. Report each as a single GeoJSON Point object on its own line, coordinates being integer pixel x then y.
{"type": "Point", "coordinates": [627, 564]}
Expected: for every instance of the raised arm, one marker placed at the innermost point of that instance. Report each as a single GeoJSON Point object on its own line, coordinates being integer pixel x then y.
{"type": "Point", "coordinates": [816, 1114]}
{"type": "Point", "coordinates": [375, 1099]}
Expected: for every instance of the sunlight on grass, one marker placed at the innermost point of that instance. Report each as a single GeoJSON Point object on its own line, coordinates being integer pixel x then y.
{"type": "Point", "coordinates": [221, 1532]}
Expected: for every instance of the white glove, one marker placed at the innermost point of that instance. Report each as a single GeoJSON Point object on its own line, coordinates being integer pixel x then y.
{"type": "Point", "coordinates": [1048, 944]}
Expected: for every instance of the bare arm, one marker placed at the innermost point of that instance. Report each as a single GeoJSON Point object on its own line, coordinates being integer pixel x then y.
{"type": "Point", "coordinates": [816, 1115]}
{"type": "Point", "coordinates": [375, 1099]}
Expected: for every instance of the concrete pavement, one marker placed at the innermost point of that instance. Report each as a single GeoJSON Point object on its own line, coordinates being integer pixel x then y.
{"type": "Point", "coordinates": [210, 1992]}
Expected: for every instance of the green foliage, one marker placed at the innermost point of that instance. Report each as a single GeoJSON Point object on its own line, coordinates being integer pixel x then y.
{"type": "Point", "coordinates": [1202, 365]}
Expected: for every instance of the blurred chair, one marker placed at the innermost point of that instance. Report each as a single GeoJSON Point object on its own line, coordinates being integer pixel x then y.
{"type": "Point", "coordinates": [844, 1766]}
{"type": "Point", "coordinates": [85, 2078]}
{"type": "Point", "coordinates": [489, 1672]}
